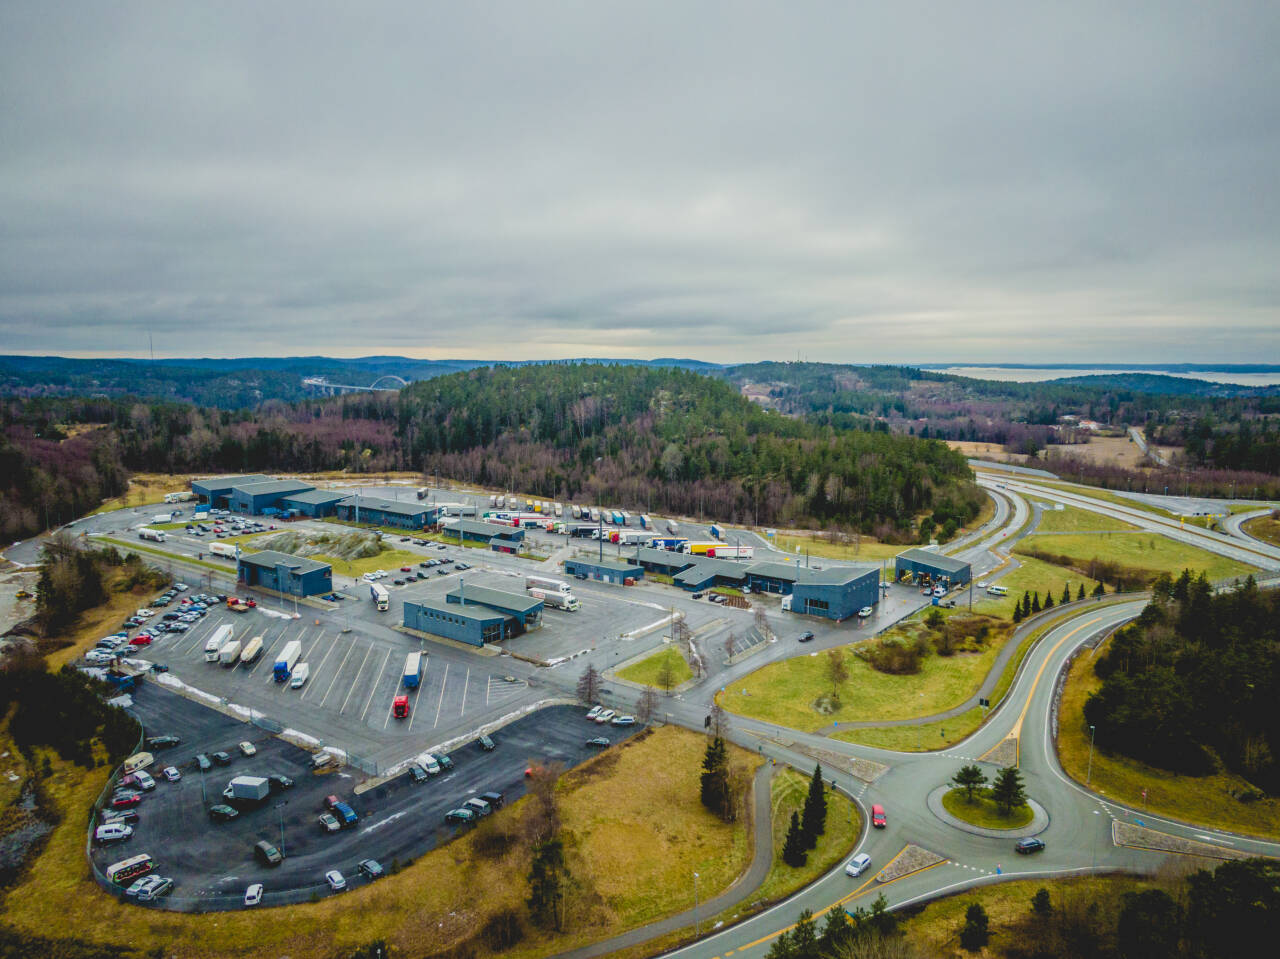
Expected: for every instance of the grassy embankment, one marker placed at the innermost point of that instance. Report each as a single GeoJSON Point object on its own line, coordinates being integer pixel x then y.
{"type": "Point", "coordinates": [818, 544]}
{"type": "Point", "coordinates": [983, 811]}
{"type": "Point", "coordinates": [843, 827]}
{"type": "Point", "coordinates": [1148, 552]}
{"type": "Point", "coordinates": [634, 831]}
{"type": "Point", "coordinates": [389, 560]}
{"type": "Point", "coordinates": [1071, 519]}
{"type": "Point", "coordinates": [787, 692]}
{"type": "Point", "coordinates": [647, 670]}
{"type": "Point", "coordinates": [1032, 575]}
{"type": "Point", "coordinates": [1197, 799]}
{"type": "Point", "coordinates": [1266, 528]}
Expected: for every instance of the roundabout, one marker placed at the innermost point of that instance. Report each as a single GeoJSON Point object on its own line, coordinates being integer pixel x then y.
{"type": "Point", "coordinates": [1039, 819]}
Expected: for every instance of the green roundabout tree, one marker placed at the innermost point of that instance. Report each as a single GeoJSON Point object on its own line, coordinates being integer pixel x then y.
{"type": "Point", "coordinates": [1002, 806]}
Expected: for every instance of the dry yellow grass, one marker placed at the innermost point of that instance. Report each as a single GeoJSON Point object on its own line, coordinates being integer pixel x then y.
{"type": "Point", "coordinates": [95, 623]}
{"type": "Point", "coordinates": [632, 815]}
{"type": "Point", "coordinates": [1265, 528]}
{"type": "Point", "coordinates": [1196, 799]}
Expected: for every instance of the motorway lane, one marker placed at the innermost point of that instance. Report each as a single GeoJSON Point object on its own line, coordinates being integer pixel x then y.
{"type": "Point", "coordinates": [1234, 525]}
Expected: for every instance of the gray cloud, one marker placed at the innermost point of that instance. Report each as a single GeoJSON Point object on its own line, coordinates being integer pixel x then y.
{"type": "Point", "coordinates": [849, 182]}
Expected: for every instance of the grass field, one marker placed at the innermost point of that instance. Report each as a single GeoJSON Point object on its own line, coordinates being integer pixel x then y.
{"type": "Point", "coordinates": [1147, 551]}
{"type": "Point", "coordinates": [634, 830]}
{"type": "Point", "coordinates": [785, 692]}
{"type": "Point", "coordinates": [147, 488]}
{"type": "Point", "coordinates": [1070, 519]}
{"type": "Point", "coordinates": [100, 621]}
{"type": "Point", "coordinates": [646, 671]}
{"type": "Point", "coordinates": [1034, 575]}
{"type": "Point", "coordinates": [391, 561]}
{"type": "Point", "coordinates": [982, 810]}
{"type": "Point", "coordinates": [819, 545]}
{"type": "Point", "coordinates": [926, 737]}
{"type": "Point", "coordinates": [843, 827]}
{"type": "Point", "coordinates": [1265, 528]}
{"type": "Point", "coordinates": [161, 558]}
{"type": "Point", "coordinates": [1196, 799]}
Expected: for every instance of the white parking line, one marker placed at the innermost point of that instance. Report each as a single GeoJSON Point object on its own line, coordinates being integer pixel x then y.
{"type": "Point", "coordinates": [316, 674]}
{"type": "Point", "coordinates": [443, 683]}
{"type": "Point", "coordinates": [269, 643]}
{"type": "Point", "coordinates": [356, 681]}
{"type": "Point", "coordinates": [375, 685]}
{"type": "Point", "coordinates": [333, 682]}
{"type": "Point", "coordinates": [465, 686]}
{"type": "Point", "coordinates": [413, 710]}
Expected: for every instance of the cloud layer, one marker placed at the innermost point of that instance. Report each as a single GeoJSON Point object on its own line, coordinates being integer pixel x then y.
{"type": "Point", "coordinates": [853, 182]}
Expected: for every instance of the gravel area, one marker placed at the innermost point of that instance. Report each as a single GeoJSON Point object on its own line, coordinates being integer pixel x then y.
{"type": "Point", "coordinates": [1004, 754]}
{"type": "Point", "coordinates": [863, 769]}
{"type": "Point", "coordinates": [1140, 837]}
{"type": "Point", "coordinates": [911, 859]}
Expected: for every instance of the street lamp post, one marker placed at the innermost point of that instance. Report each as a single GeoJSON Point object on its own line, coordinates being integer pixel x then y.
{"type": "Point", "coordinates": [280, 810]}
{"type": "Point", "coordinates": [1088, 778]}
{"type": "Point", "coordinates": [697, 922]}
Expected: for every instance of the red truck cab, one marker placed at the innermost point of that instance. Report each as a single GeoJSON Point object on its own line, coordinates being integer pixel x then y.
{"type": "Point", "coordinates": [400, 707]}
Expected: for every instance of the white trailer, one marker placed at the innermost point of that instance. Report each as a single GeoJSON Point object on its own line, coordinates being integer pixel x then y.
{"type": "Point", "coordinates": [225, 550]}
{"type": "Point", "coordinates": [381, 598]}
{"type": "Point", "coordinates": [162, 518]}
{"type": "Point", "coordinates": [287, 659]}
{"type": "Point", "coordinates": [229, 654]}
{"type": "Point", "coordinates": [556, 599]}
{"type": "Point", "coordinates": [156, 535]}
{"type": "Point", "coordinates": [251, 651]}
{"type": "Point", "coordinates": [215, 643]}
{"type": "Point", "coordinates": [179, 497]}
{"type": "Point", "coordinates": [546, 582]}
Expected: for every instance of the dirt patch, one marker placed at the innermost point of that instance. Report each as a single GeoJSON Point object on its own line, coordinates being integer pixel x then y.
{"type": "Point", "coordinates": [911, 859]}
{"type": "Point", "coordinates": [1140, 837]}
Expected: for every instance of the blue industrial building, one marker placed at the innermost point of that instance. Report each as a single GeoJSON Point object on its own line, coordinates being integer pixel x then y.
{"type": "Point", "coordinates": [474, 624]}
{"type": "Point", "coordinates": [604, 570]}
{"type": "Point", "coordinates": [316, 503]}
{"type": "Point", "coordinates": [706, 572]}
{"type": "Point", "coordinates": [215, 492]}
{"type": "Point", "coordinates": [505, 539]}
{"type": "Point", "coordinates": [386, 512]}
{"type": "Point", "coordinates": [524, 612]}
{"type": "Point", "coordinates": [291, 575]}
{"type": "Point", "coordinates": [835, 593]}
{"type": "Point", "coordinates": [662, 561]}
{"type": "Point", "coordinates": [258, 498]}
{"type": "Point", "coordinates": [915, 564]}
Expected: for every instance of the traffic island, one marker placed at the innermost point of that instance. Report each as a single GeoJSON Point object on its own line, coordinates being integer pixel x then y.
{"type": "Point", "coordinates": [981, 819]}
{"type": "Point", "coordinates": [911, 859]}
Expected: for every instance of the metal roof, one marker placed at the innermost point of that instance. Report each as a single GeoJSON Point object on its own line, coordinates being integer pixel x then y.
{"type": "Point", "coordinates": [474, 611]}
{"type": "Point", "coordinates": [937, 560]}
{"type": "Point", "coordinates": [387, 506]}
{"type": "Point", "coordinates": [319, 497]}
{"type": "Point", "coordinates": [482, 529]}
{"type": "Point", "coordinates": [834, 575]}
{"type": "Point", "coordinates": [660, 557]}
{"type": "Point", "coordinates": [789, 572]}
{"type": "Point", "coordinates": [499, 599]}
{"type": "Point", "coordinates": [704, 569]}
{"type": "Point", "coordinates": [230, 482]}
{"type": "Point", "coordinates": [626, 569]}
{"type": "Point", "coordinates": [270, 559]}
{"type": "Point", "coordinates": [273, 486]}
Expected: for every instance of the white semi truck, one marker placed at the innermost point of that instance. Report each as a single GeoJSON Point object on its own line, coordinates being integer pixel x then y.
{"type": "Point", "coordinates": [557, 599]}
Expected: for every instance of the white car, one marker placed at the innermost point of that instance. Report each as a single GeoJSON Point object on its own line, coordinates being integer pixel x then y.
{"type": "Point", "coordinates": [335, 880]}
{"type": "Point", "coordinates": [253, 895]}
{"type": "Point", "coordinates": [605, 716]}
{"type": "Point", "coordinates": [248, 749]}
{"type": "Point", "coordinates": [857, 865]}
{"type": "Point", "coordinates": [180, 587]}
{"type": "Point", "coordinates": [98, 657]}
{"type": "Point", "coordinates": [369, 578]}
{"type": "Point", "coordinates": [982, 584]}
{"type": "Point", "coordinates": [171, 773]}
{"type": "Point", "coordinates": [594, 711]}
{"type": "Point", "coordinates": [430, 764]}
{"type": "Point", "coordinates": [865, 612]}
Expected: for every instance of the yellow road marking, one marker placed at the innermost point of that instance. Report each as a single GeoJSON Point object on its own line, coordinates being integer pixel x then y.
{"type": "Point", "coordinates": [1017, 727]}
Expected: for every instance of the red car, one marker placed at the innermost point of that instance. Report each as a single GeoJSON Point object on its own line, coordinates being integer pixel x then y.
{"type": "Point", "coordinates": [405, 569]}
{"type": "Point", "coordinates": [331, 801]}
{"type": "Point", "coordinates": [124, 802]}
{"type": "Point", "coordinates": [140, 640]}
{"type": "Point", "coordinates": [878, 818]}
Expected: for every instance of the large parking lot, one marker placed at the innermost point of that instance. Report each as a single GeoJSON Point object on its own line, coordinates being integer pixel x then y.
{"type": "Point", "coordinates": [212, 863]}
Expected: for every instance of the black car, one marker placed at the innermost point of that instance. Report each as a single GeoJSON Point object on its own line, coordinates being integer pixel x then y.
{"type": "Point", "coordinates": [487, 744]}
{"type": "Point", "coordinates": [221, 758]}
{"type": "Point", "coordinates": [442, 571]}
{"type": "Point", "coordinates": [1028, 846]}
{"type": "Point", "coordinates": [420, 575]}
{"type": "Point", "coordinates": [805, 637]}
{"type": "Point", "coordinates": [370, 868]}
{"type": "Point", "coordinates": [584, 576]}
{"type": "Point", "coordinates": [444, 761]}
{"type": "Point", "coordinates": [277, 782]}
{"type": "Point", "coordinates": [397, 582]}
{"type": "Point", "coordinates": [418, 774]}
{"type": "Point", "coordinates": [119, 815]}
{"type": "Point", "coordinates": [162, 742]}
{"type": "Point", "coordinates": [493, 799]}
{"type": "Point", "coordinates": [222, 813]}
{"type": "Point", "coordinates": [425, 565]}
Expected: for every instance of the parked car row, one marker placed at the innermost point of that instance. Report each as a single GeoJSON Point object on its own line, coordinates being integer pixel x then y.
{"type": "Point", "coordinates": [602, 715]}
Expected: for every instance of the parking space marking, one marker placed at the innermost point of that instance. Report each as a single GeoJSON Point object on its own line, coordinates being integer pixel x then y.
{"type": "Point", "coordinates": [333, 682]}
{"type": "Point", "coordinates": [332, 647]}
{"type": "Point", "coordinates": [443, 683]}
{"type": "Point", "coordinates": [355, 680]}
{"type": "Point", "coordinates": [381, 670]}
{"type": "Point", "coordinates": [465, 686]}
{"type": "Point", "coordinates": [417, 693]}
{"type": "Point", "coordinates": [270, 641]}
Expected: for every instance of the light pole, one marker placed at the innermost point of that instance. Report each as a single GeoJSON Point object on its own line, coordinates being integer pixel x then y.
{"type": "Point", "coordinates": [280, 810]}
{"type": "Point", "coordinates": [697, 922]}
{"type": "Point", "coordinates": [1088, 777]}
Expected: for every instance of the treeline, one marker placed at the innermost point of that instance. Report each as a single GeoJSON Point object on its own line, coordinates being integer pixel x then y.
{"type": "Point", "coordinates": [1214, 483]}
{"type": "Point", "coordinates": [73, 580]}
{"type": "Point", "coordinates": [1240, 446]}
{"type": "Point", "coordinates": [66, 712]}
{"type": "Point", "coordinates": [1193, 682]}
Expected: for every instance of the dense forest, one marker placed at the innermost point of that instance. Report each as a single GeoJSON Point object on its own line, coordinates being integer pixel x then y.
{"type": "Point", "coordinates": [641, 436]}
{"type": "Point", "coordinates": [1194, 681]}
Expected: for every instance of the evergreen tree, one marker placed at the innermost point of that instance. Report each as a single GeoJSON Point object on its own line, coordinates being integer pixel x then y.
{"type": "Point", "coordinates": [836, 932]}
{"type": "Point", "coordinates": [548, 883]}
{"type": "Point", "coordinates": [1008, 790]}
{"type": "Point", "coordinates": [793, 852]}
{"type": "Point", "coordinates": [969, 778]}
{"type": "Point", "coordinates": [814, 821]}
{"type": "Point", "coordinates": [804, 937]}
{"type": "Point", "coordinates": [1066, 594]}
{"type": "Point", "coordinates": [1026, 604]}
{"type": "Point", "coordinates": [1040, 904]}
{"type": "Point", "coordinates": [1099, 589]}
{"type": "Point", "coordinates": [1017, 611]}
{"type": "Point", "coordinates": [975, 933]}
{"type": "Point", "coordinates": [1080, 594]}
{"type": "Point", "coordinates": [1048, 600]}
{"type": "Point", "coordinates": [1035, 602]}
{"type": "Point", "coordinates": [715, 778]}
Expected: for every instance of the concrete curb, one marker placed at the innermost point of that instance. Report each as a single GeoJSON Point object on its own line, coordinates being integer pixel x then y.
{"type": "Point", "coordinates": [1039, 819]}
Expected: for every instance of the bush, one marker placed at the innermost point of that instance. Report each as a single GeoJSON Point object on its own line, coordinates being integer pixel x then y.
{"type": "Point", "coordinates": [502, 930]}
{"type": "Point", "coordinates": [896, 657]}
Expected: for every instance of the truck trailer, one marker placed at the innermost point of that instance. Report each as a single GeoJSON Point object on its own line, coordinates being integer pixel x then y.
{"type": "Point", "coordinates": [215, 643]}
{"type": "Point", "coordinates": [155, 535]}
{"type": "Point", "coordinates": [247, 790]}
{"type": "Point", "coordinates": [732, 552]}
{"type": "Point", "coordinates": [716, 532]}
{"type": "Point", "coordinates": [413, 670]}
{"type": "Point", "coordinates": [229, 654]}
{"type": "Point", "coordinates": [556, 599]}
{"type": "Point", "coordinates": [547, 583]}
{"type": "Point", "coordinates": [381, 598]}
{"type": "Point", "coordinates": [179, 497]}
{"type": "Point", "coordinates": [300, 674]}
{"type": "Point", "coordinates": [287, 659]}
{"type": "Point", "coordinates": [697, 549]}
{"type": "Point", "coordinates": [252, 650]}
{"type": "Point", "coordinates": [225, 550]}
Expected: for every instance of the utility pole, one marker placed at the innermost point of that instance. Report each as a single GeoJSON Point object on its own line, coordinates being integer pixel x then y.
{"type": "Point", "coordinates": [1088, 777]}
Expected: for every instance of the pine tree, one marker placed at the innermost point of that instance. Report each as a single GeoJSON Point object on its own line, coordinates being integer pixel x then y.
{"type": "Point", "coordinates": [1040, 903]}
{"type": "Point", "coordinates": [1099, 589]}
{"type": "Point", "coordinates": [814, 821]}
{"type": "Point", "coordinates": [1017, 611]}
{"type": "Point", "coordinates": [793, 853]}
{"type": "Point", "coordinates": [1080, 595]}
{"type": "Point", "coordinates": [1035, 602]}
{"type": "Point", "coordinates": [969, 778]}
{"type": "Point", "coordinates": [1066, 594]}
{"type": "Point", "coordinates": [1048, 600]}
{"type": "Point", "coordinates": [1008, 790]}
{"type": "Point", "coordinates": [1026, 604]}
{"type": "Point", "coordinates": [715, 778]}
{"type": "Point", "coordinates": [548, 883]}
{"type": "Point", "coordinates": [975, 933]}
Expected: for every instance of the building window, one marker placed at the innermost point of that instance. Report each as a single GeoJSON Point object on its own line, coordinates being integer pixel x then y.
{"type": "Point", "coordinates": [820, 604]}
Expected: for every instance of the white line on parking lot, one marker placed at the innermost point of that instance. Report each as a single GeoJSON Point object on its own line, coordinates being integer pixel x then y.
{"type": "Point", "coordinates": [333, 682]}
{"type": "Point", "coordinates": [465, 686]}
{"type": "Point", "coordinates": [332, 647]}
{"type": "Point", "coordinates": [356, 680]}
{"type": "Point", "coordinates": [375, 685]}
{"type": "Point", "coordinates": [414, 710]}
{"type": "Point", "coordinates": [440, 705]}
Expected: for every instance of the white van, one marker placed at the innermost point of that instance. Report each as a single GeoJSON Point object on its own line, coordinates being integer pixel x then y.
{"type": "Point", "coordinates": [998, 590]}
{"type": "Point", "coordinates": [144, 780]}
{"type": "Point", "coordinates": [112, 832]}
{"type": "Point", "coordinates": [138, 761]}
{"type": "Point", "coordinates": [300, 674]}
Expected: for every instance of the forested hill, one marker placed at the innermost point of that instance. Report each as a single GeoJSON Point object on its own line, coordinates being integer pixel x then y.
{"type": "Point", "coordinates": [673, 440]}
{"type": "Point", "coordinates": [637, 436]}
{"type": "Point", "coordinates": [1156, 383]}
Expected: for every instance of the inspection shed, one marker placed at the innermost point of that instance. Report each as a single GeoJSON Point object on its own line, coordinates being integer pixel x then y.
{"type": "Point", "coordinates": [257, 498]}
{"type": "Point", "coordinates": [662, 561]}
{"type": "Point", "coordinates": [472, 623]}
{"type": "Point", "coordinates": [835, 593]}
{"type": "Point", "coordinates": [386, 512]}
{"type": "Point", "coordinates": [706, 573]}
{"type": "Point", "coordinates": [770, 577]}
{"type": "Point", "coordinates": [316, 503]}
{"type": "Point", "coordinates": [525, 610]}
{"type": "Point", "coordinates": [503, 538]}
{"type": "Point", "coordinates": [285, 573]}
{"type": "Point", "coordinates": [215, 491]}
{"type": "Point", "coordinates": [605, 570]}
{"type": "Point", "coordinates": [917, 564]}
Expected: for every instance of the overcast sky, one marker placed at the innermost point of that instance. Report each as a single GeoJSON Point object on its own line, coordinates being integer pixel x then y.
{"type": "Point", "coordinates": [855, 182]}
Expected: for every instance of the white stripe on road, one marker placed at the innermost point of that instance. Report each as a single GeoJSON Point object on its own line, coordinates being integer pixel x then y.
{"type": "Point", "coordinates": [332, 647]}
{"type": "Point", "coordinates": [443, 682]}
{"type": "Point", "coordinates": [356, 680]}
{"type": "Point", "coordinates": [372, 691]}
{"type": "Point", "coordinates": [333, 682]}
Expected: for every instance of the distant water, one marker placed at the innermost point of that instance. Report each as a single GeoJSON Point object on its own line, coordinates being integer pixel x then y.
{"type": "Point", "coordinates": [1011, 374]}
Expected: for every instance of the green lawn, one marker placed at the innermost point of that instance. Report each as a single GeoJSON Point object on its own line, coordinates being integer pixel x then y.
{"type": "Point", "coordinates": [983, 811]}
{"type": "Point", "coordinates": [1034, 575]}
{"type": "Point", "coordinates": [128, 547]}
{"type": "Point", "coordinates": [1070, 519]}
{"type": "Point", "coordinates": [1148, 551]}
{"type": "Point", "coordinates": [1265, 528]}
{"type": "Point", "coordinates": [836, 842]}
{"type": "Point", "coordinates": [391, 561]}
{"type": "Point", "coordinates": [868, 549]}
{"type": "Point", "coordinates": [647, 670]}
{"type": "Point", "coordinates": [785, 692]}
{"type": "Point", "coordinates": [926, 737]}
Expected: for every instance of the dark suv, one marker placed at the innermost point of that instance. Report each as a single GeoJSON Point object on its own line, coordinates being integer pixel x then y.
{"type": "Point", "coordinates": [267, 854]}
{"type": "Point", "coordinates": [1028, 846]}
